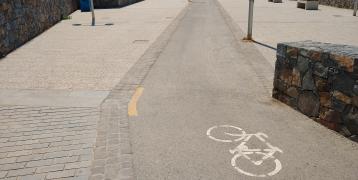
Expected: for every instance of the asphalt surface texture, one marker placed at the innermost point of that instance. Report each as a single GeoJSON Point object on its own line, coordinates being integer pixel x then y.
{"type": "Point", "coordinates": [206, 112]}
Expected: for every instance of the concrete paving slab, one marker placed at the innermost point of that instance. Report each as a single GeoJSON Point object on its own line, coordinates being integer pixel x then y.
{"type": "Point", "coordinates": [59, 98]}
{"type": "Point", "coordinates": [85, 57]}
{"type": "Point", "coordinates": [284, 22]}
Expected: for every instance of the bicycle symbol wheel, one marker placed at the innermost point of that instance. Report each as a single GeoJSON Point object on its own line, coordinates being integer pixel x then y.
{"type": "Point", "coordinates": [239, 157]}
{"type": "Point", "coordinates": [226, 133]}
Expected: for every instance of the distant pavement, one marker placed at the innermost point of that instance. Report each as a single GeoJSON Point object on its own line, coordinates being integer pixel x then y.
{"type": "Point", "coordinates": [52, 90]}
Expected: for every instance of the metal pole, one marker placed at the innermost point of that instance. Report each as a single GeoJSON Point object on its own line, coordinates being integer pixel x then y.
{"type": "Point", "coordinates": [251, 14]}
{"type": "Point", "coordinates": [355, 8]}
{"type": "Point", "coordinates": [93, 16]}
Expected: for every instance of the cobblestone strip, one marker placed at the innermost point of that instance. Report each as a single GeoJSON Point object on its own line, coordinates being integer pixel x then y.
{"type": "Point", "coordinates": [113, 156]}
{"type": "Point", "coordinates": [46, 142]}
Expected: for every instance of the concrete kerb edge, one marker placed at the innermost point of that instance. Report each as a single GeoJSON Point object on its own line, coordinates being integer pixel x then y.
{"type": "Point", "coordinates": [258, 63]}
{"type": "Point", "coordinates": [113, 156]}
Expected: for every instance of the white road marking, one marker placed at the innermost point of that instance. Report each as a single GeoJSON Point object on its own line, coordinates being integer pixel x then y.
{"type": "Point", "coordinates": [243, 151]}
{"type": "Point", "coordinates": [236, 137]}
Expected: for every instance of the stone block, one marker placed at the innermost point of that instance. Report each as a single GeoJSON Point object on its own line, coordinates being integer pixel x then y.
{"type": "Point", "coordinates": [292, 92]}
{"type": "Point", "coordinates": [285, 99]}
{"type": "Point", "coordinates": [331, 116]}
{"type": "Point", "coordinates": [296, 78]}
{"type": "Point", "coordinates": [321, 84]}
{"type": "Point", "coordinates": [325, 99]}
{"type": "Point", "coordinates": [345, 62]}
{"type": "Point", "coordinates": [292, 52]}
{"type": "Point", "coordinates": [303, 64]}
{"type": "Point", "coordinates": [329, 125]}
{"type": "Point", "coordinates": [307, 4]}
{"type": "Point", "coordinates": [350, 119]}
{"type": "Point", "coordinates": [307, 81]}
{"type": "Point", "coordinates": [342, 97]}
{"type": "Point", "coordinates": [281, 50]}
{"type": "Point", "coordinates": [315, 55]}
{"type": "Point", "coordinates": [320, 70]}
{"type": "Point", "coordinates": [355, 101]}
{"type": "Point", "coordinates": [321, 81]}
{"type": "Point", "coordinates": [308, 104]}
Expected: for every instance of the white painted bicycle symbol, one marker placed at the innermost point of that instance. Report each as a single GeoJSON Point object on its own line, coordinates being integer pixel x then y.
{"type": "Point", "coordinates": [231, 134]}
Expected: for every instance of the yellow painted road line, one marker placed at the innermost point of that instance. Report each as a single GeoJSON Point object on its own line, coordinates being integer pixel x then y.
{"type": "Point", "coordinates": [132, 106]}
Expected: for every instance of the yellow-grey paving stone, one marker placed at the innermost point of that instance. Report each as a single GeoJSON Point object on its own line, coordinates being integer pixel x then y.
{"type": "Point", "coordinates": [88, 151]}
{"type": "Point", "coordinates": [97, 177]}
{"type": "Point", "coordinates": [32, 157]}
{"type": "Point", "coordinates": [3, 174]}
{"type": "Point", "coordinates": [46, 150]}
{"type": "Point", "coordinates": [61, 174]}
{"type": "Point", "coordinates": [3, 155]}
{"type": "Point", "coordinates": [6, 144]}
{"type": "Point", "coordinates": [10, 178]}
{"type": "Point", "coordinates": [27, 142]}
{"type": "Point", "coordinates": [32, 177]}
{"type": "Point", "coordinates": [5, 167]}
{"type": "Point", "coordinates": [86, 157]}
{"type": "Point", "coordinates": [19, 153]}
{"type": "Point", "coordinates": [5, 160]}
{"type": "Point", "coordinates": [57, 154]}
{"type": "Point", "coordinates": [38, 163]}
{"type": "Point", "coordinates": [77, 165]}
{"type": "Point", "coordinates": [75, 178]}
{"type": "Point", "coordinates": [83, 172]}
{"type": "Point", "coordinates": [21, 172]}
{"type": "Point", "coordinates": [3, 140]}
{"type": "Point", "coordinates": [43, 169]}
{"type": "Point", "coordinates": [63, 160]}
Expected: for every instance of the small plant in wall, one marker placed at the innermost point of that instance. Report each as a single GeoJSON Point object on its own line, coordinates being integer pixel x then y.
{"type": "Point", "coordinates": [66, 17]}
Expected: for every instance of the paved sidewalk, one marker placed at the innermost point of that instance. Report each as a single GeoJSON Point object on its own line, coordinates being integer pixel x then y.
{"type": "Point", "coordinates": [284, 22]}
{"type": "Point", "coordinates": [52, 88]}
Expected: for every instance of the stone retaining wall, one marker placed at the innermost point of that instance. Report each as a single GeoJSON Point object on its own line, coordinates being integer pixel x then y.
{"type": "Point", "coordinates": [321, 81]}
{"type": "Point", "coordinates": [348, 4]}
{"type": "Point", "coordinates": [22, 20]}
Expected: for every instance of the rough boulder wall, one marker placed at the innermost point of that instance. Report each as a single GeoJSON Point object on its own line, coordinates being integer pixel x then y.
{"type": "Point", "coordinates": [22, 20]}
{"type": "Point", "coordinates": [348, 4]}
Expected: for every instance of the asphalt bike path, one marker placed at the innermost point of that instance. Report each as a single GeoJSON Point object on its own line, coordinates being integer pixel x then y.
{"type": "Point", "coordinates": [205, 113]}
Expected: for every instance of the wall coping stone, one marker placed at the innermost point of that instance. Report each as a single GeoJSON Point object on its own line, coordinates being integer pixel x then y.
{"type": "Point", "coordinates": [344, 56]}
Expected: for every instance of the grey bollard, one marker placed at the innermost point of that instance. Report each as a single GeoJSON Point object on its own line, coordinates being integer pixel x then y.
{"type": "Point", "coordinates": [355, 8]}
{"type": "Point", "coordinates": [250, 20]}
{"type": "Point", "coordinates": [93, 16]}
